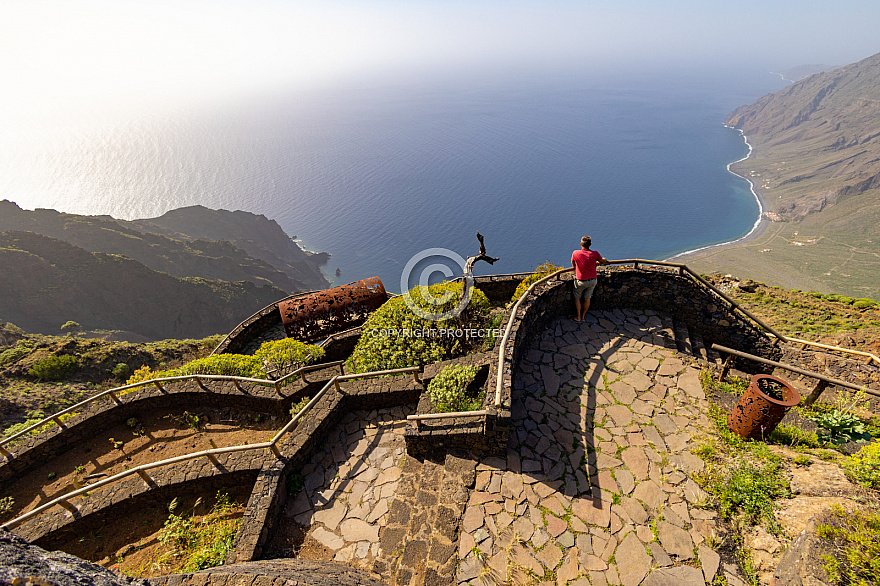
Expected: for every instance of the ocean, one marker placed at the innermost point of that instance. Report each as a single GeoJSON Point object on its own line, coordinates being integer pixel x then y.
{"type": "Point", "coordinates": [377, 170]}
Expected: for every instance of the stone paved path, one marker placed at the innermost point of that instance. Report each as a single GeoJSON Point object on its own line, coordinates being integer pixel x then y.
{"type": "Point", "coordinates": [348, 486]}
{"type": "Point", "coordinates": [595, 488]}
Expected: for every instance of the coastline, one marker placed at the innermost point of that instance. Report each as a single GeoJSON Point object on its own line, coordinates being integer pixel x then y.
{"type": "Point", "coordinates": [756, 228]}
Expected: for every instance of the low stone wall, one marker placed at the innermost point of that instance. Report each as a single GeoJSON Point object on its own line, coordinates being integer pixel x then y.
{"type": "Point", "coordinates": [437, 436]}
{"type": "Point", "coordinates": [177, 396]}
{"type": "Point", "coordinates": [622, 287]}
{"type": "Point", "coordinates": [120, 500]}
{"type": "Point", "coordinates": [270, 490]}
{"type": "Point", "coordinates": [251, 329]}
{"type": "Point", "coordinates": [498, 289]}
{"type": "Point", "coordinates": [286, 572]}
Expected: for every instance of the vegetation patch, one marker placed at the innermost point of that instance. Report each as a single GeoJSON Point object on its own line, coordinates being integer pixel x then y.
{"type": "Point", "coordinates": [270, 355]}
{"type": "Point", "coordinates": [448, 390]}
{"type": "Point", "coordinates": [548, 268]}
{"type": "Point", "coordinates": [854, 537]}
{"type": "Point", "coordinates": [864, 466]}
{"type": "Point", "coordinates": [54, 367]}
{"type": "Point", "coordinates": [188, 543]}
{"type": "Point", "coordinates": [743, 476]}
{"type": "Point", "coordinates": [395, 337]}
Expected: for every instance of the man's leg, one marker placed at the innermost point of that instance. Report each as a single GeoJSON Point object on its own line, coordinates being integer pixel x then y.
{"type": "Point", "coordinates": [586, 306]}
{"type": "Point", "coordinates": [577, 309]}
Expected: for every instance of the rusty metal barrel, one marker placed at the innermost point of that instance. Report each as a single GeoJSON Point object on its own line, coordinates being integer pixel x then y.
{"type": "Point", "coordinates": [757, 414]}
{"type": "Point", "coordinates": [319, 314]}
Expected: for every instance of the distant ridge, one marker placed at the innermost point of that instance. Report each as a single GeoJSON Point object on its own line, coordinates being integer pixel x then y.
{"type": "Point", "coordinates": [798, 73]}
{"type": "Point", "coordinates": [815, 163]}
{"type": "Point", "coordinates": [188, 242]}
{"type": "Point", "coordinates": [47, 282]}
{"type": "Point", "coordinates": [817, 140]}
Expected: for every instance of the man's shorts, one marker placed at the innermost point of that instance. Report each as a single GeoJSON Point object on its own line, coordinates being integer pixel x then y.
{"type": "Point", "coordinates": [584, 289]}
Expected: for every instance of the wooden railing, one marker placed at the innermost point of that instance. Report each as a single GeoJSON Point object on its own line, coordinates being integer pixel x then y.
{"type": "Point", "coordinates": [823, 383]}
{"type": "Point", "coordinates": [114, 393]}
{"type": "Point", "coordinates": [272, 444]}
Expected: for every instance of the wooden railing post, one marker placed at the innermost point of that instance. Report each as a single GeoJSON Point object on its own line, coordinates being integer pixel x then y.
{"type": "Point", "coordinates": [59, 423]}
{"type": "Point", "coordinates": [115, 398]}
{"type": "Point", "coordinates": [6, 453]}
{"type": "Point", "coordinates": [819, 388]}
{"type": "Point", "coordinates": [145, 476]}
{"type": "Point", "coordinates": [725, 367]}
{"type": "Point", "coordinates": [159, 385]}
{"type": "Point", "coordinates": [71, 508]}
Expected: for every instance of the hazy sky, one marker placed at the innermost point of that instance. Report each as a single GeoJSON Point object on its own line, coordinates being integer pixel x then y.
{"type": "Point", "coordinates": [97, 52]}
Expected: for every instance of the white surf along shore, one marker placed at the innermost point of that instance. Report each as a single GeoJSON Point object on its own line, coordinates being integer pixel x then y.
{"type": "Point", "coordinates": [754, 193]}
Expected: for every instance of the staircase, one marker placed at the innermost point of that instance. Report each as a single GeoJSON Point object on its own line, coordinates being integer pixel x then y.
{"type": "Point", "coordinates": [419, 543]}
{"type": "Point", "coordinates": [678, 336]}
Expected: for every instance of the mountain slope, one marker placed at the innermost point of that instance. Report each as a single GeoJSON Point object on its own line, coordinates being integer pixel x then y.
{"type": "Point", "coordinates": [257, 235]}
{"type": "Point", "coordinates": [47, 282]}
{"type": "Point", "coordinates": [212, 256]}
{"type": "Point", "coordinates": [816, 163]}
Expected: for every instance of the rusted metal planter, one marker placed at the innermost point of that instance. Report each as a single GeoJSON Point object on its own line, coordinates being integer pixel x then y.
{"type": "Point", "coordinates": [757, 414]}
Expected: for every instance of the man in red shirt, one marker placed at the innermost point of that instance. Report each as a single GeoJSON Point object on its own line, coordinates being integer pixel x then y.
{"type": "Point", "coordinates": [584, 262]}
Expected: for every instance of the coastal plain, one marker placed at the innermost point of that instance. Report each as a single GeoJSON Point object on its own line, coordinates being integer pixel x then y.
{"type": "Point", "coordinates": [815, 166]}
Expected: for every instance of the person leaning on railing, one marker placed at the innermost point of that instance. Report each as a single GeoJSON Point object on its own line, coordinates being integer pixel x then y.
{"type": "Point", "coordinates": [584, 262]}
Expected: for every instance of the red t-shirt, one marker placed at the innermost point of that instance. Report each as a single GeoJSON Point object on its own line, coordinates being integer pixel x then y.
{"type": "Point", "coordinates": [584, 262]}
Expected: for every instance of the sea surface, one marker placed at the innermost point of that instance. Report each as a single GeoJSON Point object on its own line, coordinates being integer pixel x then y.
{"type": "Point", "coordinates": [376, 171]}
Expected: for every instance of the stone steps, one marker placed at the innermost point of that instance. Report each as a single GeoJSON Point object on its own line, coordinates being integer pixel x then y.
{"type": "Point", "coordinates": [691, 343]}
{"type": "Point", "coordinates": [418, 544]}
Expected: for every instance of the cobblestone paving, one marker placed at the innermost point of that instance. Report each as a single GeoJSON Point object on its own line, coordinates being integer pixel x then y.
{"type": "Point", "coordinates": [349, 484]}
{"type": "Point", "coordinates": [595, 488]}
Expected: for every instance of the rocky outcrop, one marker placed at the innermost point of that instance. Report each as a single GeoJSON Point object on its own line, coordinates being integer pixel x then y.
{"type": "Point", "coordinates": [47, 282]}
{"type": "Point", "coordinates": [817, 141]}
{"type": "Point", "coordinates": [23, 564]}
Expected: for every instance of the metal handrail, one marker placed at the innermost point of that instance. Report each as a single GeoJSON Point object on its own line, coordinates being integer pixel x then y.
{"type": "Point", "coordinates": [872, 357]}
{"type": "Point", "coordinates": [158, 382]}
{"type": "Point", "coordinates": [446, 415]}
{"type": "Point", "coordinates": [141, 470]}
{"type": "Point", "coordinates": [796, 369]}
{"type": "Point", "coordinates": [499, 373]}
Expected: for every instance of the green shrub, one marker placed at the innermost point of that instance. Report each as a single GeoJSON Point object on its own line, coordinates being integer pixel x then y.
{"type": "Point", "coordinates": [54, 367]}
{"type": "Point", "coordinates": [6, 504]}
{"type": "Point", "coordinates": [395, 337]}
{"type": "Point", "coordinates": [542, 271]}
{"type": "Point", "coordinates": [864, 303]}
{"type": "Point", "coordinates": [840, 299]}
{"type": "Point", "coordinates": [750, 490]}
{"type": "Point", "coordinates": [200, 544]}
{"type": "Point", "coordinates": [121, 370]}
{"type": "Point", "coordinates": [287, 355]}
{"type": "Point", "coordinates": [14, 354]}
{"type": "Point", "coordinates": [789, 435]}
{"type": "Point", "coordinates": [856, 546]}
{"type": "Point", "coordinates": [299, 406]}
{"type": "Point", "coordinates": [864, 465]}
{"type": "Point", "coordinates": [448, 389]}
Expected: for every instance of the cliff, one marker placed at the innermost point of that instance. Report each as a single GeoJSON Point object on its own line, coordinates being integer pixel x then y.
{"type": "Point", "coordinates": [47, 282]}
{"type": "Point", "coordinates": [817, 141]}
{"type": "Point", "coordinates": [189, 242]}
{"type": "Point", "coordinates": [815, 163]}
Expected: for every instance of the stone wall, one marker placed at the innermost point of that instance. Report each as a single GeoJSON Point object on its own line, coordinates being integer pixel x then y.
{"type": "Point", "coordinates": [286, 572]}
{"type": "Point", "coordinates": [270, 490]}
{"type": "Point", "coordinates": [622, 287]}
{"type": "Point", "coordinates": [177, 396]}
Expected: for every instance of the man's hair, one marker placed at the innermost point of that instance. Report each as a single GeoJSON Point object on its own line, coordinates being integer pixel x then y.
{"type": "Point", "coordinates": [586, 241]}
